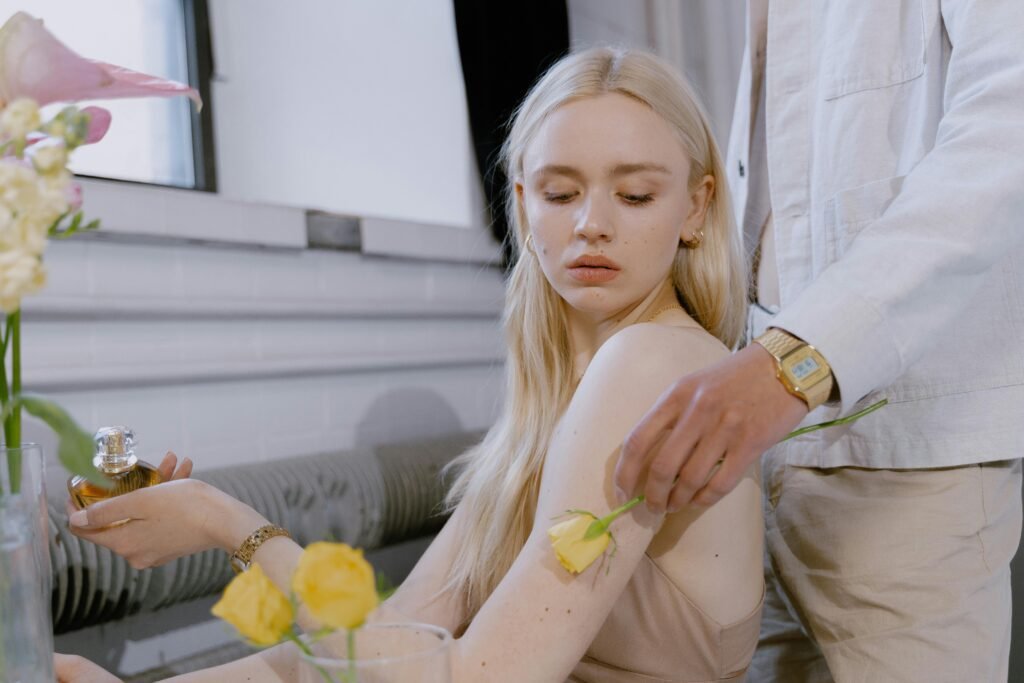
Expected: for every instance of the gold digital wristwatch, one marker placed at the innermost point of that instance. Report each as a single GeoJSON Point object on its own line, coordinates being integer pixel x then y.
{"type": "Point", "coordinates": [802, 370]}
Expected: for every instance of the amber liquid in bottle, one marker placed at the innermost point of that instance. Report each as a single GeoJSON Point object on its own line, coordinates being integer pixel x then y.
{"type": "Point", "coordinates": [84, 492]}
{"type": "Point", "coordinates": [116, 459]}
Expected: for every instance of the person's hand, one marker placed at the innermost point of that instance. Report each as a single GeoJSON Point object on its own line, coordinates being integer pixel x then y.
{"type": "Point", "coordinates": [698, 440]}
{"type": "Point", "coordinates": [155, 525]}
{"type": "Point", "coordinates": [75, 669]}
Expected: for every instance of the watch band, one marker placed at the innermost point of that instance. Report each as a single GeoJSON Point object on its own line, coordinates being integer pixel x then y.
{"type": "Point", "coordinates": [242, 558]}
{"type": "Point", "coordinates": [781, 344]}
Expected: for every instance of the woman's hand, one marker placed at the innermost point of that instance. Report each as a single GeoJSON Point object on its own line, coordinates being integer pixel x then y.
{"type": "Point", "coordinates": [75, 669]}
{"type": "Point", "coordinates": [156, 525]}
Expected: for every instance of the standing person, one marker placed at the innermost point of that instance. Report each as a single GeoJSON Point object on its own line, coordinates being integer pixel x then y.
{"type": "Point", "coordinates": [877, 158]}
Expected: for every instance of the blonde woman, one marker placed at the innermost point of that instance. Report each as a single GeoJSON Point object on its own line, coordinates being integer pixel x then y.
{"type": "Point", "coordinates": [629, 276]}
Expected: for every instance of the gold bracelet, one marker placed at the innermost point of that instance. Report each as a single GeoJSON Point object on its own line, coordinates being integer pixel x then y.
{"type": "Point", "coordinates": [241, 559]}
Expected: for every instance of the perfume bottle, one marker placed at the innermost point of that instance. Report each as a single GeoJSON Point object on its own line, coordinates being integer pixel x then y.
{"type": "Point", "coordinates": [115, 457]}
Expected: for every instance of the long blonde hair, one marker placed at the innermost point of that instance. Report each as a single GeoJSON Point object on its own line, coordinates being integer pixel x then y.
{"type": "Point", "coordinates": [499, 479]}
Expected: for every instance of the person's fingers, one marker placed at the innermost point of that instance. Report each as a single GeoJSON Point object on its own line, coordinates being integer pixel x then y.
{"type": "Point", "coordinates": [697, 470]}
{"type": "Point", "coordinates": [669, 459]}
{"type": "Point", "coordinates": [726, 478]}
{"type": "Point", "coordinates": [166, 466]}
{"type": "Point", "coordinates": [184, 470]}
{"type": "Point", "coordinates": [75, 669]}
{"type": "Point", "coordinates": [640, 444]}
{"type": "Point", "coordinates": [117, 509]}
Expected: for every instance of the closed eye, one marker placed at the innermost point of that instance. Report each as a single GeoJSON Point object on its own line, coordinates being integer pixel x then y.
{"type": "Point", "coordinates": [637, 199]}
{"type": "Point", "coordinates": [559, 197]}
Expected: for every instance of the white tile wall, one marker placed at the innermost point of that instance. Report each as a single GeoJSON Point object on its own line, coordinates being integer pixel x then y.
{"type": "Point", "coordinates": [233, 354]}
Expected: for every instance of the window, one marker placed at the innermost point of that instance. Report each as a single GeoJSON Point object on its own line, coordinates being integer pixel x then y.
{"type": "Point", "coordinates": [151, 140]}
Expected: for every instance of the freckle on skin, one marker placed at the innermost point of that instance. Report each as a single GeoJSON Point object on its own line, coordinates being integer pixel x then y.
{"type": "Point", "coordinates": [568, 611]}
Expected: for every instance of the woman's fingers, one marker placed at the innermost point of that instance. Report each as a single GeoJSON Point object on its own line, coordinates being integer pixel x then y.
{"type": "Point", "coordinates": [75, 669]}
{"type": "Point", "coordinates": [184, 470]}
{"type": "Point", "coordinates": [167, 465]}
{"type": "Point", "coordinates": [170, 469]}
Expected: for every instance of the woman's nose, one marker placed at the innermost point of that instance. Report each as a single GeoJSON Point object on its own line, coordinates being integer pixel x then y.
{"type": "Point", "coordinates": [593, 224]}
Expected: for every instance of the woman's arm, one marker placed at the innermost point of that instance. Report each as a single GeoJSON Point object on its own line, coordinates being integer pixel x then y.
{"type": "Point", "coordinates": [540, 620]}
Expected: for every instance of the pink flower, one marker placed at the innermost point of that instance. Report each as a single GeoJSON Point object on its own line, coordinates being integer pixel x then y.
{"type": "Point", "coordinates": [73, 194]}
{"type": "Point", "coordinates": [99, 123]}
{"type": "Point", "coordinates": [33, 63]}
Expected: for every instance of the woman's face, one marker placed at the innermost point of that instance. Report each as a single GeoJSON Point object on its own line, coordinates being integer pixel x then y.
{"type": "Point", "coordinates": [604, 188]}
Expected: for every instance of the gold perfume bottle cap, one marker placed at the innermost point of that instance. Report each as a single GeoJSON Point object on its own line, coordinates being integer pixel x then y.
{"type": "Point", "coordinates": [115, 449]}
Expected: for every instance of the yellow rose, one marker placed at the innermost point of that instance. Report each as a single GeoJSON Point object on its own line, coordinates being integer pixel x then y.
{"type": "Point", "coordinates": [254, 605]}
{"type": "Point", "coordinates": [335, 584]}
{"type": "Point", "coordinates": [573, 551]}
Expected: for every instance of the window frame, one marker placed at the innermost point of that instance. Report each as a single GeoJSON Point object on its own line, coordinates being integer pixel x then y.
{"type": "Point", "coordinates": [199, 63]}
{"type": "Point", "coordinates": [199, 50]}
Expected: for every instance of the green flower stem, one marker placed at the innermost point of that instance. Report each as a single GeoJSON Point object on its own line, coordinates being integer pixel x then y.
{"type": "Point", "coordinates": [293, 636]}
{"type": "Point", "coordinates": [841, 421]}
{"type": "Point", "coordinates": [600, 526]}
{"type": "Point", "coordinates": [5, 391]}
{"type": "Point", "coordinates": [14, 463]}
{"type": "Point", "coordinates": [350, 638]}
{"type": "Point", "coordinates": [11, 340]}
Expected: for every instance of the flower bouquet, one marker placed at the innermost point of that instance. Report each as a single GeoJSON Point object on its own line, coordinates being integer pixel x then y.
{"type": "Point", "coordinates": [39, 201]}
{"type": "Point", "coordinates": [337, 587]}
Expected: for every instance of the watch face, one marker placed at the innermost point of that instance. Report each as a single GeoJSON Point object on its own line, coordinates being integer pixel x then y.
{"type": "Point", "coordinates": [803, 369]}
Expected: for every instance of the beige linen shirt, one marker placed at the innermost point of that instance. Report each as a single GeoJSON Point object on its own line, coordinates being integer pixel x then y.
{"type": "Point", "coordinates": [894, 150]}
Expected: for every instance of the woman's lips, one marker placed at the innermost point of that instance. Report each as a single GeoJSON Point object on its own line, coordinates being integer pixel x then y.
{"type": "Point", "coordinates": [593, 274]}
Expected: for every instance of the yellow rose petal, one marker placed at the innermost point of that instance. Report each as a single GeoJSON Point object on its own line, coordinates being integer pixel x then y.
{"type": "Point", "coordinates": [336, 584]}
{"type": "Point", "coordinates": [575, 553]}
{"type": "Point", "coordinates": [254, 605]}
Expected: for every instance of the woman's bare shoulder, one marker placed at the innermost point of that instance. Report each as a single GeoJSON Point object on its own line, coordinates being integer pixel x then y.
{"type": "Point", "coordinates": [653, 347]}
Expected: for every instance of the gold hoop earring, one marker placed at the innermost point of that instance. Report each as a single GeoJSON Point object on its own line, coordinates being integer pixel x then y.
{"type": "Point", "coordinates": [528, 244]}
{"type": "Point", "coordinates": [694, 241]}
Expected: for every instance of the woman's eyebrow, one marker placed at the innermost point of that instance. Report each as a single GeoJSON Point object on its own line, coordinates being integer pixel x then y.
{"type": "Point", "coordinates": [559, 169]}
{"type": "Point", "coordinates": [646, 167]}
{"type": "Point", "coordinates": [616, 171]}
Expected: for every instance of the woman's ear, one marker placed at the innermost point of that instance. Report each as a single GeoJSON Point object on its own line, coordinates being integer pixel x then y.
{"type": "Point", "coordinates": [700, 200]}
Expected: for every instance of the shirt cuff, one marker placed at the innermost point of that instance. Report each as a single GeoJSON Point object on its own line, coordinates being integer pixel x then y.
{"type": "Point", "coordinates": [852, 336]}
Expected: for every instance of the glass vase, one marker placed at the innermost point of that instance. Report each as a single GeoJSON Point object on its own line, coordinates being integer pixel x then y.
{"type": "Point", "coordinates": [26, 626]}
{"type": "Point", "coordinates": [383, 653]}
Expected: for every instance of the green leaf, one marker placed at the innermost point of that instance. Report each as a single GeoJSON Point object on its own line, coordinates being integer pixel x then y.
{"type": "Point", "coordinates": [75, 449]}
{"type": "Point", "coordinates": [385, 589]}
{"type": "Point", "coordinates": [75, 227]}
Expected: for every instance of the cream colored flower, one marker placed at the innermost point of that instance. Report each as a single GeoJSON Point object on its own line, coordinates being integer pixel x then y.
{"type": "Point", "coordinates": [29, 235]}
{"type": "Point", "coordinates": [21, 273]}
{"type": "Point", "coordinates": [20, 117]}
{"type": "Point", "coordinates": [49, 159]}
